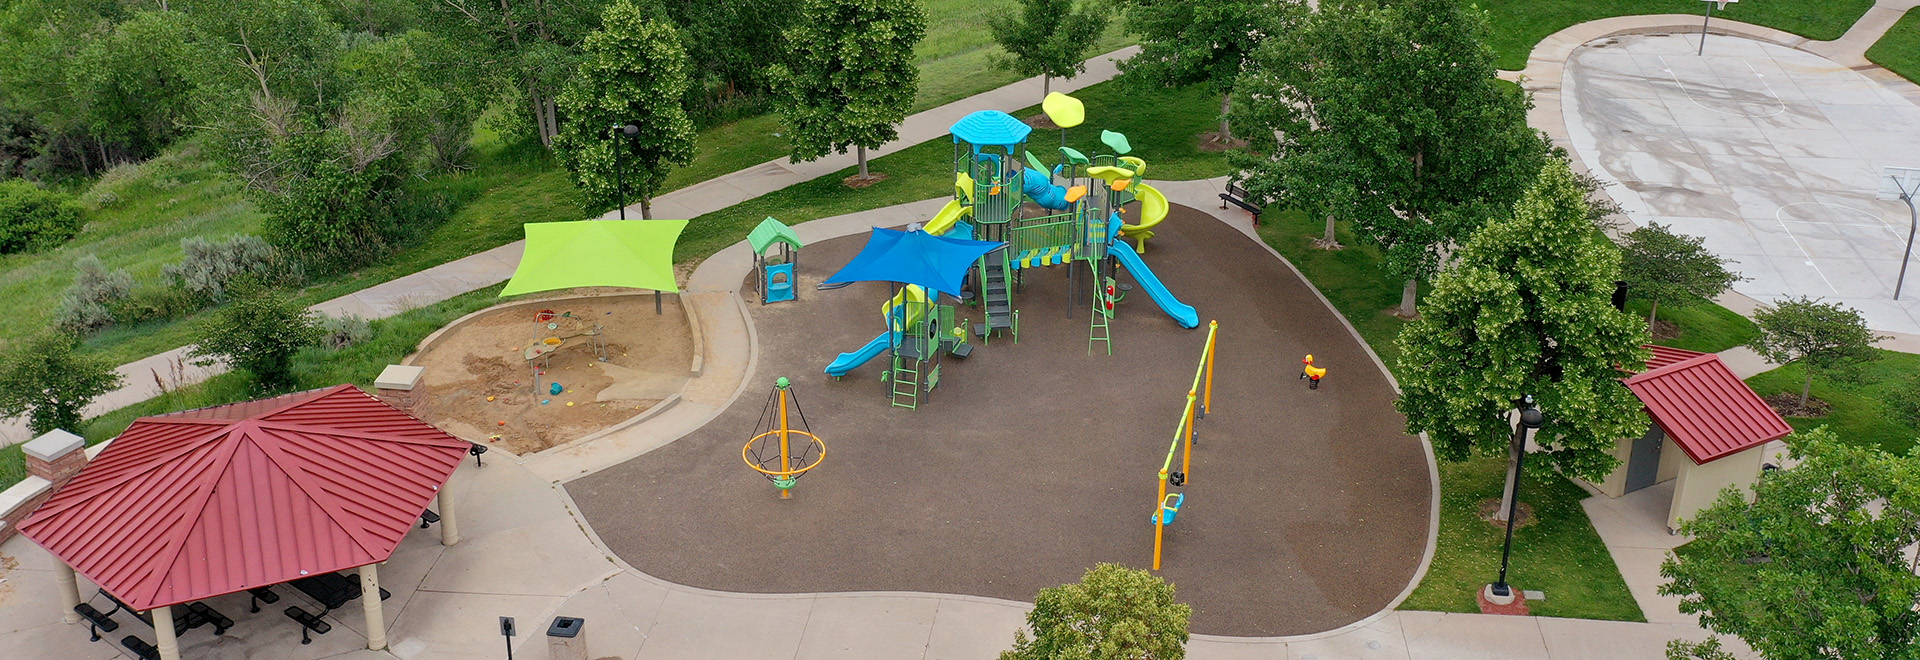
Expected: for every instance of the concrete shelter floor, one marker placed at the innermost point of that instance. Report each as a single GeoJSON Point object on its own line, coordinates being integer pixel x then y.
{"type": "Point", "coordinates": [1772, 154]}
{"type": "Point", "coordinates": [1031, 461]}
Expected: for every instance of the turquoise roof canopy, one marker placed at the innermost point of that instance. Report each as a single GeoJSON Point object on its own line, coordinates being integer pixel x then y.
{"type": "Point", "coordinates": [990, 128]}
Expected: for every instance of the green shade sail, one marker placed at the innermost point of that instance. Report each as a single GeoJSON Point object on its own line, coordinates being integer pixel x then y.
{"type": "Point", "coordinates": [627, 253]}
{"type": "Point", "coordinates": [769, 232]}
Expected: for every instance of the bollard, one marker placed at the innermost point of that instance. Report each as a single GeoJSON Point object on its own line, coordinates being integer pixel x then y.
{"type": "Point", "coordinates": [565, 640]}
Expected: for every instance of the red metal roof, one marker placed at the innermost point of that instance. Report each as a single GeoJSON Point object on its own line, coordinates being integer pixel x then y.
{"type": "Point", "coordinates": [1706, 409]}
{"type": "Point", "coordinates": [1665, 355]}
{"type": "Point", "coordinates": [212, 501]}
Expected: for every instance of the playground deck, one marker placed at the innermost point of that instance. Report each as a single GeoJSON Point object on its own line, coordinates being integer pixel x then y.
{"type": "Point", "coordinates": [1307, 510]}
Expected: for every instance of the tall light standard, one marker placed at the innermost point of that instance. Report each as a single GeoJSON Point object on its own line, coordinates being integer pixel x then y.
{"type": "Point", "coordinates": [1902, 183]}
{"type": "Point", "coordinates": [1530, 420]}
{"type": "Point", "coordinates": [1709, 19]}
{"type": "Point", "coordinates": [620, 170]}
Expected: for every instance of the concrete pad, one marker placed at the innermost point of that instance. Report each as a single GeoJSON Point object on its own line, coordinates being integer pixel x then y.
{"type": "Point", "coordinates": [1578, 639]}
{"type": "Point", "coordinates": [458, 626]}
{"type": "Point", "coordinates": [1380, 640]}
{"type": "Point", "coordinates": [609, 631]}
{"type": "Point", "coordinates": [59, 640]}
{"type": "Point", "coordinates": [501, 496]}
{"type": "Point", "coordinates": [971, 629]}
{"type": "Point", "coordinates": [550, 558]}
{"type": "Point", "coordinates": [868, 626]}
{"type": "Point", "coordinates": [703, 625]}
{"type": "Point", "coordinates": [1438, 636]}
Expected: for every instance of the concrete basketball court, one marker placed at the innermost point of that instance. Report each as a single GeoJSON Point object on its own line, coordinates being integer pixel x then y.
{"type": "Point", "coordinates": [1772, 154]}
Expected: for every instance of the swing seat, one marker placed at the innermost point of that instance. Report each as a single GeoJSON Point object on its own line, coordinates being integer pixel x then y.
{"type": "Point", "coordinates": [1170, 508]}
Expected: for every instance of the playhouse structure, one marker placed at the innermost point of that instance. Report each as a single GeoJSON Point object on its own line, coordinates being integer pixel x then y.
{"type": "Point", "coordinates": [774, 272]}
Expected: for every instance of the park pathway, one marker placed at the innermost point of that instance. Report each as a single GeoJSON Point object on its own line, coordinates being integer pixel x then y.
{"type": "Point", "coordinates": [151, 376]}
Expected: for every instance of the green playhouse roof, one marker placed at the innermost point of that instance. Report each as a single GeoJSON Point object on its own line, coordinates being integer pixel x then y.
{"type": "Point", "coordinates": [627, 253]}
{"type": "Point", "coordinates": [769, 232]}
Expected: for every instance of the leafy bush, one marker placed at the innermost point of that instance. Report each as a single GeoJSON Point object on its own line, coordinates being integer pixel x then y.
{"type": "Point", "coordinates": [156, 303]}
{"type": "Point", "coordinates": [258, 333]}
{"type": "Point", "coordinates": [34, 219]}
{"type": "Point", "coordinates": [338, 332]}
{"type": "Point", "coordinates": [49, 382]}
{"type": "Point", "coordinates": [1113, 612]}
{"type": "Point", "coordinates": [208, 266]}
{"type": "Point", "coordinates": [88, 303]}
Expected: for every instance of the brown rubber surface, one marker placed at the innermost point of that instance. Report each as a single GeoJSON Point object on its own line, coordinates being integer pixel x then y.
{"type": "Point", "coordinates": [1030, 462]}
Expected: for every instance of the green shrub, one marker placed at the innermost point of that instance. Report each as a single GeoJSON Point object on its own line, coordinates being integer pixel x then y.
{"type": "Point", "coordinates": [1113, 612]}
{"type": "Point", "coordinates": [209, 266]}
{"type": "Point", "coordinates": [34, 219]}
{"type": "Point", "coordinates": [156, 303]}
{"type": "Point", "coordinates": [89, 302]}
{"type": "Point", "coordinates": [338, 332]}
{"type": "Point", "coordinates": [259, 332]}
{"type": "Point", "coordinates": [49, 382]}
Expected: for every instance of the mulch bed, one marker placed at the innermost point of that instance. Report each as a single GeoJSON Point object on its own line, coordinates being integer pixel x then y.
{"type": "Point", "coordinates": [1032, 461]}
{"type": "Point", "coordinates": [1214, 142]}
{"type": "Point", "coordinates": [1788, 405]}
{"type": "Point", "coordinates": [857, 182]}
{"type": "Point", "coordinates": [1664, 330]}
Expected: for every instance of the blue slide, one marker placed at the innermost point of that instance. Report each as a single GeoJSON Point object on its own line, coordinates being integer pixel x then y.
{"type": "Point", "coordinates": [1181, 312]}
{"type": "Point", "coordinates": [1039, 188]}
{"type": "Point", "coordinates": [850, 361]}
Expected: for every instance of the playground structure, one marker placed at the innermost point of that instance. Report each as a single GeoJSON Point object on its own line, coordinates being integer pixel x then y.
{"type": "Point", "coordinates": [774, 273]}
{"type": "Point", "coordinates": [920, 331]}
{"type": "Point", "coordinates": [1005, 196]}
{"type": "Point", "coordinates": [551, 331]}
{"type": "Point", "coordinates": [1311, 372]}
{"type": "Point", "coordinates": [772, 452]}
{"type": "Point", "coordinates": [1199, 403]}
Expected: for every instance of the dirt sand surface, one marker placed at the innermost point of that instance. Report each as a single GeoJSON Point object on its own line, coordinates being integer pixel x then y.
{"type": "Point", "coordinates": [1030, 462]}
{"type": "Point", "coordinates": [646, 361]}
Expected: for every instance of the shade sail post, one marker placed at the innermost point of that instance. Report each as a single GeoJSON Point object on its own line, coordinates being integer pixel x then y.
{"type": "Point", "coordinates": [449, 529]}
{"type": "Point", "coordinates": [163, 633]}
{"type": "Point", "coordinates": [69, 590]}
{"type": "Point", "coordinates": [370, 601]}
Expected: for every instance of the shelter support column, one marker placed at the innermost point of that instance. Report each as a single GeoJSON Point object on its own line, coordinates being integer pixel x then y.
{"type": "Point", "coordinates": [69, 590]}
{"type": "Point", "coordinates": [370, 601]}
{"type": "Point", "coordinates": [163, 633]}
{"type": "Point", "coordinates": [449, 528]}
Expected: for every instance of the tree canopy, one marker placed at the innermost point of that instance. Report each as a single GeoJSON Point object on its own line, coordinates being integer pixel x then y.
{"type": "Point", "coordinates": [1822, 338]}
{"type": "Point", "coordinates": [1527, 310]}
{"type": "Point", "coordinates": [1391, 117]}
{"type": "Point", "coordinates": [1815, 565]}
{"type": "Point", "coordinates": [1661, 265]}
{"type": "Point", "coordinates": [47, 379]}
{"type": "Point", "coordinates": [1112, 613]}
{"type": "Point", "coordinates": [633, 71]}
{"type": "Point", "coordinates": [1049, 38]}
{"type": "Point", "coordinates": [1202, 42]}
{"type": "Point", "coordinates": [848, 77]}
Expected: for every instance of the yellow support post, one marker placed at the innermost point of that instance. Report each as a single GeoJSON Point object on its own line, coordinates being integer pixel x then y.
{"type": "Point", "coordinates": [1159, 519]}
{"type": "Point", "coordinates": [1186, 463]}
{"type": "Point", "coordinates": [786, 459]}
{"type": "Point", "coordinates": [1207, 403]}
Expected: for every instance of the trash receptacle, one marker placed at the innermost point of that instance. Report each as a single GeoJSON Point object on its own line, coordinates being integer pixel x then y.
{"type": "Point", "coordinates": [565, 640]}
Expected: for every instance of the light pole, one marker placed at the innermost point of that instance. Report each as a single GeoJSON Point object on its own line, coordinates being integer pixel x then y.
{"type": "Point", "coordinates": [1709, 19]}
{"type": "Point", "coordinates": [620, 170]}
{"type": "Point", "coordinates": [1903, 183]}
{"type": "Point", "coordinates": [1530, 420]}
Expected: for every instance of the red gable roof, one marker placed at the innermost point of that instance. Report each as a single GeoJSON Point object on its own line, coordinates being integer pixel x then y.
{"type": "Point", "coordinates": [212, 501]}
{"type": "Point", "coordinates": [1665, 355]}
{"type": "Point", "coordinates": [1706, 409]}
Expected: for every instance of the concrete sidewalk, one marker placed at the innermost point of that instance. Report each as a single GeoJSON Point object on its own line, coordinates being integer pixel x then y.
{"type": "Point", "coordinates": [494, 266]}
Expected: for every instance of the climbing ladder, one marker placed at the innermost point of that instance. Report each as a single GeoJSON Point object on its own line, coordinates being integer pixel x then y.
{"type": "Point", "coordinates": [1102, 316]}
{"type": "Point", "coordinates": [996, 293]}
{"type": "Point", "coordinates": [905, 375]}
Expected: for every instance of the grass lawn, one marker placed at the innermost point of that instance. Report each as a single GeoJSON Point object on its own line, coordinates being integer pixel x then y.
{"type": "Point", "coordinates": [1899, 50]}
{"type": "Point", "coordinates": [1562, 556]}
{"type": "Point", "coordinates": [1519, 24]}
{"type": "Point", "coordinates": [1860, 413]}
{"type": "Point", "coordinates": [393, 338]}
{"type": "Point", "coordinates": [1704, 326]}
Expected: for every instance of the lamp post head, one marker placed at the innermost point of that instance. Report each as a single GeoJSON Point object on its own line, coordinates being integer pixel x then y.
{"type": "Point", "coordinates": [630, 130]}
{"type": "Point", "coordinates": [1530, 414]}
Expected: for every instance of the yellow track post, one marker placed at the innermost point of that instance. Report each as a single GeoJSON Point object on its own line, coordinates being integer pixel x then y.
{"type": "Point", "coordinates": [1207, 403]}
{"type": "Point", "coordinates": [1159, 519]}
{"type": "Point", "coordinates": [786, 459]}
{"type": "Point", "coordinates": [1186, 463]}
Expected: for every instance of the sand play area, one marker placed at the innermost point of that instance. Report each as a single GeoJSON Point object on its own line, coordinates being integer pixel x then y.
{"type": "Point", "coordinates": [481, 385]}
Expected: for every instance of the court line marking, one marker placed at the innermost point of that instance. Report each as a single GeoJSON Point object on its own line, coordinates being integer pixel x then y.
{"type": "Point", "coordinates": [1756, 73]}
{"type": "Point", "coordinates": [1803, 249]}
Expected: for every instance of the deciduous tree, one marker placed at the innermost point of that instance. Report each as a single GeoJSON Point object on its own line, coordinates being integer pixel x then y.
{"type": "Point", "coordinates": [1527, 310]}
{"type": "Point", "coordinates": [1815, 565]}
{"type": "Point", "coordinates": [1202, 42]}
{"type": "Point", "coordinates": [1112, 613]}
{"type": "Point", "coordinates": [1823, 338]}
{"type": "Point", "coordinates": [531, 43]}
{"type": "Point", "coordinates": [1659, 264]}
{"type": "Point", "coordinates": [259, 332]}
{"type": "Point", "coordinates": [1391, 117]}
{"type": "Point", "coordinates": [633, 70]}
{"type": "Point", "coordinates": [849, 76]}
{"type": "Point", "coordinates": [1049, 38]}
{"type": "Point", "coordinates": [48, 380]}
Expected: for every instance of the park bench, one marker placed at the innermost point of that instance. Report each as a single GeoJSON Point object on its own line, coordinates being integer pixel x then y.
{"type": "Point", "coordinates": [140, 648]}
{"type": "Point", "coordinates": [258, 595]}
{"type": "Point", "coordinates": [332, 590]}
{"type": "Point", "coordinates": [1237, 196]}
{"type": "Point", "coordinates": [97, 621]}
{"type": "Point", "coordinates": [195, 614]}
{"type": "Point", "coordinates": [308, 622]}
{"type": "Point", "coordinates": [428, 517]}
